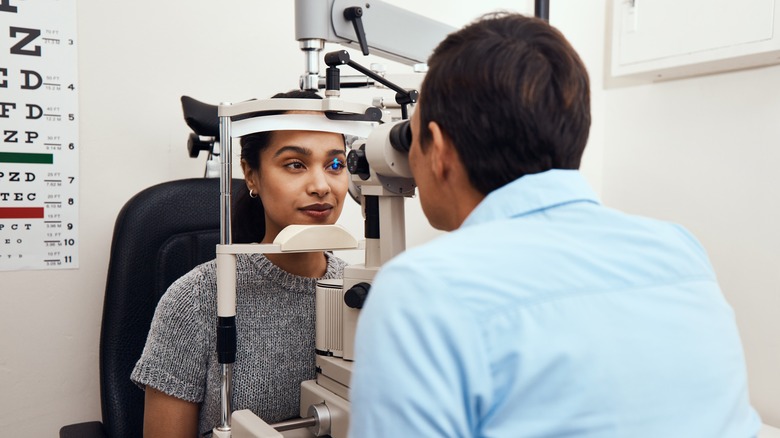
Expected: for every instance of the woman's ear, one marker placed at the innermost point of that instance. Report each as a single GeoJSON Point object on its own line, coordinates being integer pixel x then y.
{"type": "Point", "coordinates": [250, 175]}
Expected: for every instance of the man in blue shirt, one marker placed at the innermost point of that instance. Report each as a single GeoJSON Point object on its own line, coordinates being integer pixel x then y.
{"type": "Point", "coordinates": [543, 313]}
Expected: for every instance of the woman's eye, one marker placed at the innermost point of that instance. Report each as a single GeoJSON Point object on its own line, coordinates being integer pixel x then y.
{"type": "Point", "coordinates": [336, 164]}
{"type": "Point", "coordinates": [295, 165]}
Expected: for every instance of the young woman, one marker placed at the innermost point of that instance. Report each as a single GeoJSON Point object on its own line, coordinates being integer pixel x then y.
{"type": "Point", "coordinates": [292, 177]}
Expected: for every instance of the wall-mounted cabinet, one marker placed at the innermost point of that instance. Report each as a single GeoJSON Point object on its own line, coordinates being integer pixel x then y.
{"type": "Point", "coordinates": [666, 39]}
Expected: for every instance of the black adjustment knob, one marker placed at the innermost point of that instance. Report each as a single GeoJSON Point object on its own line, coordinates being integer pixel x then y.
{"type": "Point", "coordinates": [337, 58]}
{"type": "Point", "coordinates": [357, 163]}
{"type": "Point", "coordinates": [195, 144]}
{"type": "Point", "coordinates": [356, 296]}
{"type": "Point", "coordinates": [410, 96]}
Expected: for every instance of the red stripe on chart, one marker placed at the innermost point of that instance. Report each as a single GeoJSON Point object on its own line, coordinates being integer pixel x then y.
{"type": "Point", "coordinates": [21, 212]}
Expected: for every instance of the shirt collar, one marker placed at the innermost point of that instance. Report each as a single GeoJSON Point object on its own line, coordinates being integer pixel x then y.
{"type": "Point", "coordinates": [532, 193]}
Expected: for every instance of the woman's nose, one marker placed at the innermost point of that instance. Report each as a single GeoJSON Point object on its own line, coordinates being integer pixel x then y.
{"type": "Point", "coordinates": [318, 185]}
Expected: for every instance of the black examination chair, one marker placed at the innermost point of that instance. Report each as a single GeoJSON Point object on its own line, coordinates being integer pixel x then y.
{"type": "Point", "coordinates": [160, 234]}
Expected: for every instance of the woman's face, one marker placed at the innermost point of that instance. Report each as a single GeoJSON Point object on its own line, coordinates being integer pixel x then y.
{"type": "Point", "coordinates": [301, 179]}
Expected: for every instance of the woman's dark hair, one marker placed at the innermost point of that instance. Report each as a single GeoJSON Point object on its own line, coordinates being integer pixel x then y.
{"type": "Point", "coordinates": [248, 213]}
{"type": "Point", "coordinates": [512, 95]}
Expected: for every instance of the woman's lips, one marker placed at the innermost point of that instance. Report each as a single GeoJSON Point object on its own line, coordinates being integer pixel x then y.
{"type": "Point", "coordinates": [317, 211]}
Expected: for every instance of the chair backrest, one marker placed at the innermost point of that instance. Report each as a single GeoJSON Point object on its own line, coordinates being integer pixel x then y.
{"type": "Point", "coordinates": [159, 235]}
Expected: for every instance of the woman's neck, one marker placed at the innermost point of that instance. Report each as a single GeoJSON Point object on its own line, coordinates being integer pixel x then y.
{"type": "Point", "coordinates": [303, 264]}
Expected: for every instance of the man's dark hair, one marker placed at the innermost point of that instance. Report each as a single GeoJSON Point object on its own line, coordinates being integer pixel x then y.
{"type": "Point", "coordinates": [512, 95]}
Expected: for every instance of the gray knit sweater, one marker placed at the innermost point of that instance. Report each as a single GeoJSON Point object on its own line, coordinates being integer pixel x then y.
{"type": "Point", "coordinates": [275, 324]}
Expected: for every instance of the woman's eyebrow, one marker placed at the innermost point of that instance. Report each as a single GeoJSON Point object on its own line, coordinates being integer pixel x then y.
{"type": "Point", "coordinates": [295, 149]}
{"type": "Point", "coordinates": [300, 150]}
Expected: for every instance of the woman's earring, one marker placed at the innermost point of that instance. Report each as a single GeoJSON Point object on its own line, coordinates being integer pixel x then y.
{"type": "Point", "coordinates": [252, 194]}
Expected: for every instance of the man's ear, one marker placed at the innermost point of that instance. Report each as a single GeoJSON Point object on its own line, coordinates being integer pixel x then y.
{"type": "Point", "coordinates": [442, 150]}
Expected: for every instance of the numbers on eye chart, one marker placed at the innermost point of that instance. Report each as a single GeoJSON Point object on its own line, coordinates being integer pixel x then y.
{"type": "Point", "coordinates": [39, 144]}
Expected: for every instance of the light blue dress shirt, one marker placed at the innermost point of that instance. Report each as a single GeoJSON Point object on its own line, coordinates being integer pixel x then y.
{"type": "Point", "coordinates": [549, 315]}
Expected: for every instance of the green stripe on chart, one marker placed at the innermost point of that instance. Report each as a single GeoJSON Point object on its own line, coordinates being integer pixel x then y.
{"type": "Point", "coordinates": [29, 158]}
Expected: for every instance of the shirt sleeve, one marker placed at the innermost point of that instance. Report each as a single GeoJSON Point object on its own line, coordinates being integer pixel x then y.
{"type": "Point", "coordinates": [175, 357]}
{"type": "Point", "coordinates": [416, 370]}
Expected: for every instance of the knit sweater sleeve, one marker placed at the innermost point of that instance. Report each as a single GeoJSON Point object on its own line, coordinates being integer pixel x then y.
{"type": "Point", "coordinates": [175, 357]}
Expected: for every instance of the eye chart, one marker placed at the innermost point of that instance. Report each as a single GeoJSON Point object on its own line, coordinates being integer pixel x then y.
{"type": "Point", "coordinates": [39, 144]}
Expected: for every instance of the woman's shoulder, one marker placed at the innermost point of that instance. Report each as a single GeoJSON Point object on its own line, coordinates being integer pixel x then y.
{"type": "Point", "coordinates": [196, 286]}
{"type": "Point", "coordinates": [202, 279]}
{"type": "Point", "coordinates": [203, 272]}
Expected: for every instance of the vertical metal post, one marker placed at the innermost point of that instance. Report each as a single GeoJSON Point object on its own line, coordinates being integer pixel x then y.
{"type": "Point", "coordinates": [312, 29]}
{"type": "Point", "coordinates": [311, 75]}
{"type": "Point", "coordinates": [226, 396]}
{"type": "Point", "coordinates": [392, 228]}
{"type": "Point", "coordinates": [542, 9]}
{"type": "Point", "coordinates": [225, 316]}
{"type": "Point", "coordinates": [225, 178]}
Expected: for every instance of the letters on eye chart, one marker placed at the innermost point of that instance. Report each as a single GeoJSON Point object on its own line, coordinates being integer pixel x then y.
{"type": "Point", "coordinates": [39, 145]}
